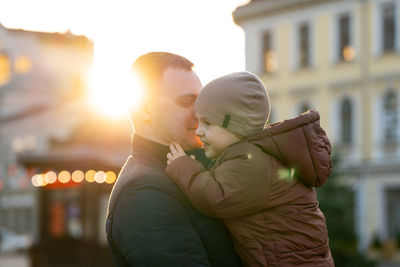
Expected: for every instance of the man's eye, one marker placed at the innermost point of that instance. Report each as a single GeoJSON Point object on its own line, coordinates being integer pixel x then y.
{"type": "Point", "coordinates": [185, 102]}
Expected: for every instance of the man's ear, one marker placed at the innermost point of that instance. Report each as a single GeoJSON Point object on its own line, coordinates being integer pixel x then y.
{"type": "Point", "coordinates": [146, 112]}
{"type": "Point", "coordinates": [143, 113]}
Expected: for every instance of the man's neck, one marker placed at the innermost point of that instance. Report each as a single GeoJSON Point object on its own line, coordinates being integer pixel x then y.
{"type": "Point", "coordinates": [149, 135]}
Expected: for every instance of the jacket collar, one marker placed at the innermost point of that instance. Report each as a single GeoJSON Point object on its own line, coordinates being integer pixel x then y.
{"type": "Point", "coordinates": [156, 152]}
{"type": "Point", "coordinates": [150, 150]}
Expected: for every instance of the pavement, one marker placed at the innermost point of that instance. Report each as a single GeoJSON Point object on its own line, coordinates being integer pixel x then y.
{"type": "Point", "coordinates": [15, 259]}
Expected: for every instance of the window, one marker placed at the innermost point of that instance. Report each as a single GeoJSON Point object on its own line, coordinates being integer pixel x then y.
{"type": "Point", "coordinates": [346, 121]}
{"type": "Point", "coordinates": [269, 60]}
{"type": "Point", "coordinates": [391, 120]}
{"type": "Point", "coordinates": [304, 45]}
{"type": "Point", "coordinates": [23, 64]}
{"type": "Point", "coordinates": [345, 50]}
{"type": "Point", "coordinates": [393, 212]}
{"type": "Point", "coordinates": [65, 214]}
{"type": "Point", "coordinates": [388, 27]}
{"type": "Point", "coordinates": [5, 72]}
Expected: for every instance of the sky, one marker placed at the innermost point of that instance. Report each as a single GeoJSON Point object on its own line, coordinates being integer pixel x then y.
{"type": "Point", "coordinates": [203, 31]}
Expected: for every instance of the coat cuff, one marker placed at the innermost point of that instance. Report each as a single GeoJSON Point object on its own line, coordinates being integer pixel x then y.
{"type": "Point", "coordinates": [182, 169]}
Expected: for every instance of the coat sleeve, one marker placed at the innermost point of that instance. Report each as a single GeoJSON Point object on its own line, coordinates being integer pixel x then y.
{"type": "Point", "coordinates": [152, 229]}
{"type": "Point", "coordinates": [238, 186]}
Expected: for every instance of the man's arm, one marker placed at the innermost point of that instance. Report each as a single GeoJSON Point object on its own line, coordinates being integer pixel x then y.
{"type": "Point", "coordinates": [151, 228]}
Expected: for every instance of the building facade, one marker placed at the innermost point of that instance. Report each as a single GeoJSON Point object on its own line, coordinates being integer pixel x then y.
{"type": "Point", "coordinates": [42, 82]}
{"type": "Point", "coordinates": [341, 57]}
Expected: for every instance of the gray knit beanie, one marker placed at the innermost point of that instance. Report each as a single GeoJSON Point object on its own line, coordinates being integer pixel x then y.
{"type": "Point", "coordinates": [238, 102]}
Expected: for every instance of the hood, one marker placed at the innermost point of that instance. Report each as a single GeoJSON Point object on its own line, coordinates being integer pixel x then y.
{"type": "Point", "coordinates": [299, 143]}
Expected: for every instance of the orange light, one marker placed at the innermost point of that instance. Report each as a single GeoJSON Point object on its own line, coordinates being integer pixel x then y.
{"type": "Point", "coordinates": [64, 177]}
{"type": "Point", "coordinates": [271, 64]}
{"type": "Point", "coordinates": [23, 64]}
{"type": "Point", "coordinates": [78, 176]}
{"type": "Point", "coordinates": [349, 53]}
{"type": "Point", "coordinates": [5, 72]}
{"type": "Point", "coordinates": [110, 177]}
{"type": "Point", "coordinates": [89, 176]}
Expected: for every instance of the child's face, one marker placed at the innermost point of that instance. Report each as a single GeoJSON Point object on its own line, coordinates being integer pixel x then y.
{"type": "Point", "coordinates": [215, 138]}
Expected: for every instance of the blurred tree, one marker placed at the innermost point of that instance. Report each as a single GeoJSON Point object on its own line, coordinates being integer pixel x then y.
{"type": "Point", "coordinates": [337, 203]}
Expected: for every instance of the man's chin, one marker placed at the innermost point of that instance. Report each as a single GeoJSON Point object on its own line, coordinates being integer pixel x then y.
{"type": "Point", "coordinates": [193, 144]}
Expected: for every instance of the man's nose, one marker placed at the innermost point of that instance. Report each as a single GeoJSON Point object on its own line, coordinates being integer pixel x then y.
{"type": "Point", "coordinates": [194, 114]}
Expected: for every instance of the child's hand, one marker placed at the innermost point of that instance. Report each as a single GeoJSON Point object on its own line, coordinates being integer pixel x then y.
{"type": "Point", "coordinates": [176, 152]}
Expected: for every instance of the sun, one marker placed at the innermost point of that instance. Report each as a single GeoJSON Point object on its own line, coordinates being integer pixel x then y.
{"type": "Point", "coordinates": [114, 92]}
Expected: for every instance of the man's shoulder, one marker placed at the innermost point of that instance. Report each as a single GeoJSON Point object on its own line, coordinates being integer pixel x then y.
{"type": "Point", "coordinates": [147, 182]}
{"type": "Point", "coordinates": [140, 179]}
{"type": "Point", "coordinates": [138, 172]}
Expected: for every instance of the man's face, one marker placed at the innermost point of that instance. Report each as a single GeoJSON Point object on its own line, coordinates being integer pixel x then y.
{"type": "Point", "coordinates": [173, 112]}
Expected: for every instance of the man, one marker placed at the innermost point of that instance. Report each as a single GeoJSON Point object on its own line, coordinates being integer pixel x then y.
{"type": "Point", "coordinates": [149, 221]}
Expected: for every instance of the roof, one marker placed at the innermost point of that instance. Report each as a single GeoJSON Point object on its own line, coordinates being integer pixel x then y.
{"type": "Point", "coordinates": [96, 143]}
{"type": "Point", "coordinates": [67, 37]}
{"type": "Point", "coordinates": [260, 8]}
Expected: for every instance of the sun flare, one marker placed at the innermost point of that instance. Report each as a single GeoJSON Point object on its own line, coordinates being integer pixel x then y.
{"type": "Point", "coordinates": [114, 92]}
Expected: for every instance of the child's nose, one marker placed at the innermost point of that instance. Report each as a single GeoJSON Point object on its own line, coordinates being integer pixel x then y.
{"type": "Point", "coordinates": [199, 132]}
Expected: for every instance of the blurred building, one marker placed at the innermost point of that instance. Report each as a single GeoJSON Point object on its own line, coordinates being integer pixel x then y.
{"type": "Point", "coordinates": [74, 178]}
{"type": "Point", "coordinates": [42, 86]}
{"type": "Point", "coordinates": [341, 57]}
{"type": "Point", "coordinates": [58, 158]}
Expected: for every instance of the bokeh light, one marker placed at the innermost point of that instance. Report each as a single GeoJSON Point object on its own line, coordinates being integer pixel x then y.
{"type": "Point", "coordinates": [89, 176]}
{"type": "Point", "coordinates": [34, 180]}
{"type": "Point", "coordinates": [64, 177]}
{"type": "Point", "coordinates": [38, 180]}
{"type": "Point", "coordinates": [50, 177]}
{"type": "Point", "coordinates": [78, 176]}
{"type": "Point", "coordinates": [23, 64]}
{"type": "Point", "coordinates": [100, 177]}
{"type": "Point", "coordinates": [349, 53]}
{"type": "Point", "coordinates": [110, 177]}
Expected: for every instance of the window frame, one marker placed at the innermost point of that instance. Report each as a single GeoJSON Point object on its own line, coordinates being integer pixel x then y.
{"type": "Point", "coordinates": [391, 6]}
{"type": "Point", "coordinates": [271, 47]}
{"type": "Point", "coordinates": [346, 134]}
{"type": "Point", "coordinates": [303, 44]}
{"type": "Point", "coordinates": [377, 24]}
{"type": "Point", "coordinates": [391, 120]}
{"type": "Point", "coordinates": [295, 59]}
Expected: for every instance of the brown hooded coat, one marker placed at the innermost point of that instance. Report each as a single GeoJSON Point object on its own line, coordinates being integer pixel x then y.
{"type": "Point", "coordinates": [262, 189]}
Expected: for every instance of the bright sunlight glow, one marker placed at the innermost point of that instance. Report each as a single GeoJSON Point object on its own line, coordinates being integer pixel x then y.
{"type": "Point", "coordinates": [122, 30]}
{"type": "Point", "coordinates": [114, 92]}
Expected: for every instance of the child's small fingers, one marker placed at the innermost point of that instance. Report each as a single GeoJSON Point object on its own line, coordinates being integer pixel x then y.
{"type": "Point", "coordinates": [178, 147]}
{"type": "Point", "coordinates": [169, 156]}
{"type": "Point", "coordinates": [172, 148]}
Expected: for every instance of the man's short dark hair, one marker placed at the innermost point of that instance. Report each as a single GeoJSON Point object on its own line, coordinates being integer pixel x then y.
{"type": "Point", "coordinates": [150, 67]}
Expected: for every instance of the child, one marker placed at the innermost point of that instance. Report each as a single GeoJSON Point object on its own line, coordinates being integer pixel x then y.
{"type": "Point", "coordinates": [261, 182]}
